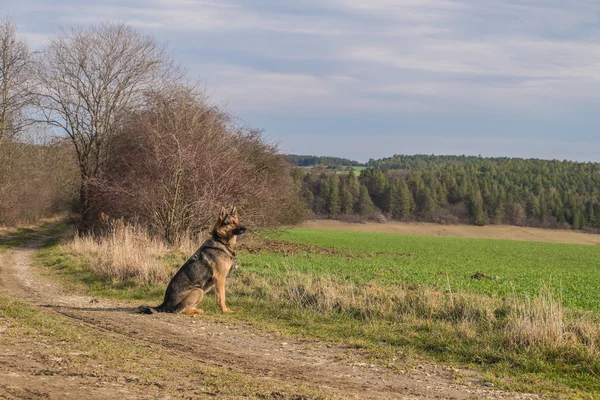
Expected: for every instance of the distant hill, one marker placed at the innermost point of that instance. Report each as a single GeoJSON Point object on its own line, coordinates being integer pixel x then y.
{"type": "Point", "coordinates": [308, 161]}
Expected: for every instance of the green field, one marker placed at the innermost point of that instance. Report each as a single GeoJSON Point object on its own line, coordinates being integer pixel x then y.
{"type": "Point", "coordinates": [571, 271]}
{"type": "Point", "coordinates": [358, 169]}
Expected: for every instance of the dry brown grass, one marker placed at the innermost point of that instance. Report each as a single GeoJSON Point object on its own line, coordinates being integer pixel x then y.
{"type": "Point", "coordinates": [125, 252]}
{"type": "Point", "coordinates": [506, 232]}
{"type": "Point", "coordinates": [538, 322]}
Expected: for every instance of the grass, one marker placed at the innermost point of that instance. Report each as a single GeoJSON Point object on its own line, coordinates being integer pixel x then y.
{"type": "Point", "coordinates": [404, 299]}
{"type": "Point", "coordinates": [13, 238]}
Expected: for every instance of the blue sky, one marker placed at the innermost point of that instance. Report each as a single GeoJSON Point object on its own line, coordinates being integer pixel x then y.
{"type": "Point", "coordinates": [367, 79]}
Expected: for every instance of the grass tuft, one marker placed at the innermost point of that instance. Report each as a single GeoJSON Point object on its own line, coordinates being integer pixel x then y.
{"type": "Point", "coordinates": [127, 253]}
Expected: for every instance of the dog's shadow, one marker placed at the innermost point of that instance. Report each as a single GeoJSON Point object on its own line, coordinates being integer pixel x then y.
{"type": "Point", "coordinates": [128, 310]}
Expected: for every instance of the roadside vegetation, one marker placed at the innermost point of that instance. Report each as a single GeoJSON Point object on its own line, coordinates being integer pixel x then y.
{"type": "Point", "coordinates": [392, 296]}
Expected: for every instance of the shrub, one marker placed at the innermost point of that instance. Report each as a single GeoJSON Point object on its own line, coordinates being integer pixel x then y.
{"type": "Point", "coordinates": [173, 164]}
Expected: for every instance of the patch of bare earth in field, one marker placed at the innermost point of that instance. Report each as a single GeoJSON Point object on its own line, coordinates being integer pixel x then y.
{"type": "Point", "coordinates": [506, 232]}
{"type": "Point", "coordinates": [156, 355]}
{"type": "Point", "coordinates": [258, 244]}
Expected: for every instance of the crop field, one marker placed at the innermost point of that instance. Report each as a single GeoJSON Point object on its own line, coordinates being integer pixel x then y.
{"type": "Point", "coordinates": [506, 267]}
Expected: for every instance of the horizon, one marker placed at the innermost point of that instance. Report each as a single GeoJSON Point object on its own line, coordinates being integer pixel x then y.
{"type": "Point", "coordinates": [437, 155]}
{"type": "Point", "coordinates": [363, 80]}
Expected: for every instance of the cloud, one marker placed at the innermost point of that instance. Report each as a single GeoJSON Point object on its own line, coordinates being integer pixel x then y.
{"type": "Point", "coordinates": [513, 56]}
{"type": "Point", "coordinates": [503, 55]}
{"type": "Point", "coordinates": [143, 24]}
{"type": "Point", "coordinates": [251, 90]}
{"type": "Point", "coordinates": [202, 16]}
{"type": "Point", "coordinates": [415, 11]}
{"type": "Point", "coordinates": [254, 89]}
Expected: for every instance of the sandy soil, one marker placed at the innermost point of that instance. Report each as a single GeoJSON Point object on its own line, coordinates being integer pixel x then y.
{"type": "Point", "coordinates": [338, 371]}
{"type": "Point", "coordinates": [507, 232]}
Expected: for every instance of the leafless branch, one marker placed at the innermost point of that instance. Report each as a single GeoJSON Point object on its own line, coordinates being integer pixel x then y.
{"type": "Point", "coordinates": [15, 80]}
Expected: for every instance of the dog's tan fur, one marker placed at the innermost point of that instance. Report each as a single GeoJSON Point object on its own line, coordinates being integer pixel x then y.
{"type": "Point", "coordinates": [205, 270]}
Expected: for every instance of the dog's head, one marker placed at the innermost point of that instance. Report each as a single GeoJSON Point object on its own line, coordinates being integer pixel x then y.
{"type": "Point", "coordinates": [228, 225]}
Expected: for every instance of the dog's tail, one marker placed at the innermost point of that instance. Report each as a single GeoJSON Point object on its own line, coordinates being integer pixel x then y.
{"type": "Point", "coordinates": [148, 309]}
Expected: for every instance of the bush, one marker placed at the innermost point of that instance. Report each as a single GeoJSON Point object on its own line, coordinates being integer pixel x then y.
{"type": "Point", "coordinates": [174, 163]}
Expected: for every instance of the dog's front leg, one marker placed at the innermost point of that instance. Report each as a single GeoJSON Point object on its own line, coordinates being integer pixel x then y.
{"type": "Point", "coordinates": [220, 293]}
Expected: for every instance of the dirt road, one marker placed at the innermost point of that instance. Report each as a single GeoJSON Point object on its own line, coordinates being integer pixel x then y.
{"type": "Point", "coordinates": [294, 366]}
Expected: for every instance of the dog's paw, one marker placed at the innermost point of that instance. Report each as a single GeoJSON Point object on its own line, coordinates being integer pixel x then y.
{"type": "Point", "coordinates": [227, 311]}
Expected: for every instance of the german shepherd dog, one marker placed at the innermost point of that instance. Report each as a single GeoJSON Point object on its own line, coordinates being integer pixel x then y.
{"type": "Point", "coordinates": [205, 270]}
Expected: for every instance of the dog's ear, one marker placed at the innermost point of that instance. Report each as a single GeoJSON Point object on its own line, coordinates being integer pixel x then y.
{"type": "Point", "coordinates": [223, 213]}
{"type": "Point", "coordinates": [233, 211]}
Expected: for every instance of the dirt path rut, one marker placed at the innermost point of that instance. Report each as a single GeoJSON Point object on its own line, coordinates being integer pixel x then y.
{"type": "Point", "coordinates": [338, 371]}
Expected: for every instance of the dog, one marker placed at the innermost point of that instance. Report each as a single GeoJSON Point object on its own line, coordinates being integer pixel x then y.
{"type": "Point", "coordinates": [205, 270]}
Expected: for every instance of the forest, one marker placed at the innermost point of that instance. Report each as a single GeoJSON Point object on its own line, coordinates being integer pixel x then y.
{"type": "Point", "coordinates": [460, 189]}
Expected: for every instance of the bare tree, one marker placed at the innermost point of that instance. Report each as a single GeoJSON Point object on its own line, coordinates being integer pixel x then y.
{"type": "Point", "coordinates": [89, 78]}
{"type": "Point", "coordinates": [15, 80]}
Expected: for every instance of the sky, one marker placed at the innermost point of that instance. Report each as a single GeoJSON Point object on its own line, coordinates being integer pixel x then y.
{"type": "Point", "coordinates": [371, 78]}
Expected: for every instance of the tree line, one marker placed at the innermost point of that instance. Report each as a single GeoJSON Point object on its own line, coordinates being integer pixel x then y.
{"type": "Point", "coordinates": [461, 189]}
{"type": "Point", "coordinates": [309, 161]}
